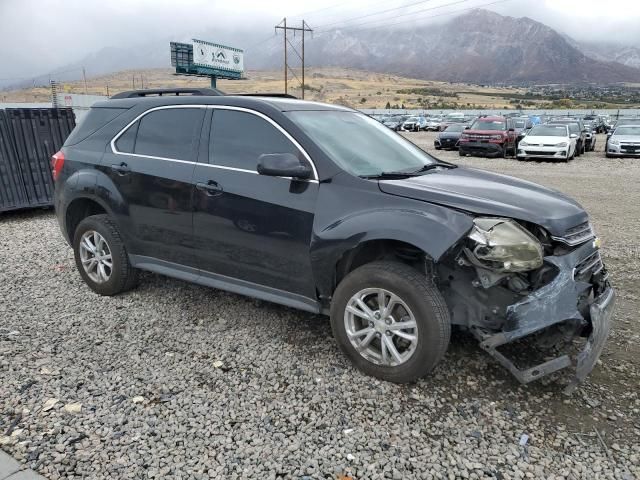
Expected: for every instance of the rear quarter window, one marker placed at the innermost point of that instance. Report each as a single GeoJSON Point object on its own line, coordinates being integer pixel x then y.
{"type": "Point", "coordinates": [92, 122]}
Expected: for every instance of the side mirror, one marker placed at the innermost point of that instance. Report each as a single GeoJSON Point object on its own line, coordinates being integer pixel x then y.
{"type": "Point", "coordinates": [282, 165]}
{"type": "Point", "coordinates": [609, 134]}
{"type": "Point", "coordinates": [512, 130]}
{"type": "Point", "coordinates": [467, 128]}
{"type": "Point", "coordinates": [573, 135]}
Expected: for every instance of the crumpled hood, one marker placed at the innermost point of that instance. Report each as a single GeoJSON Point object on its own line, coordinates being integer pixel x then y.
{"type": "Point", "coordinates": [486, 193]}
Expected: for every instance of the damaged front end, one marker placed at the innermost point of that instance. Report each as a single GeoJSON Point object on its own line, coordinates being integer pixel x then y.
{"type": "Point", "coordinates": [509, 282]}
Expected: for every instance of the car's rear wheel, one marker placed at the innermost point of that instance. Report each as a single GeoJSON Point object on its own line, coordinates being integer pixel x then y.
{"type": "Point", "coordinates": [101, 257]}
{"type": "Point", "coordinates": [390, 321]}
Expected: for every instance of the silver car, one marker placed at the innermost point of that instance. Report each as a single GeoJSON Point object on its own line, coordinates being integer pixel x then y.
{"type": "Point", "coordinates": [624, 141]}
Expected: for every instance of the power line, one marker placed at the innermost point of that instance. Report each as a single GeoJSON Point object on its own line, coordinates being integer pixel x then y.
{"type": "Point", "coordinates": [355, 27]}
{"type": "Point", "coordinates": [375, 13]}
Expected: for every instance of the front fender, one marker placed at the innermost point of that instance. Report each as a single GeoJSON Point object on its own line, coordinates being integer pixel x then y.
{"type": "Point", "coordinates": [432, 228]}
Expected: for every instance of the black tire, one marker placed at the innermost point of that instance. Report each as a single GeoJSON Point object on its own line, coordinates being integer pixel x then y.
{"type": "Point", "coordinates": [461, 153]}
{"type": "Point", "coordinates": [123, 276]}
{"type": "Point", "coordinates": [423, 298]}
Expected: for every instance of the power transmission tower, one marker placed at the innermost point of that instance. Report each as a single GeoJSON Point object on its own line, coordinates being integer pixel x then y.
{"type": "Point", "coordinates": [288, 44]}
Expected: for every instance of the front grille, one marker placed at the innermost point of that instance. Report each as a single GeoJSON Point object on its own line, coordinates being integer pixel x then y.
{"type": "Point", "coordinates": [576, 235]}
{"type": "Point", "coordinates": [474, 136]}
{"type": "Point", "coordinates": [538, 152]}
{"type": "Point", "coordinates": [592, 264]}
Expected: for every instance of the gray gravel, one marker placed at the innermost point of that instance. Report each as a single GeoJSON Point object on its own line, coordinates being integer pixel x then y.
{"type": "Point", "coordinates": [175, 380]}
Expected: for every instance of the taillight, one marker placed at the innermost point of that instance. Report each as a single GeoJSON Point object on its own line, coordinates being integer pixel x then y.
{"type": "Point", "coordinates": [57, 161]}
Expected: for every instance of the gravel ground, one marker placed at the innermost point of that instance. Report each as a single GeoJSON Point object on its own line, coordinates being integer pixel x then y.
{"type": "Point", "coordinates": [174, 380]}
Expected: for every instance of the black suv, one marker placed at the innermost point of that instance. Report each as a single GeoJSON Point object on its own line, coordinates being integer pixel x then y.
{"type": "Point", "coordinates": [324, 209]}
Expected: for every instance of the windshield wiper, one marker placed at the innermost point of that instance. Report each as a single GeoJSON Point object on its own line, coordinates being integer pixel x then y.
{"type": "Point", "coordinates": [431, 166]}
{"type": "Point", "coordinates": [404, 174]}
{"type": "Point", "coordinates": [389, 175]}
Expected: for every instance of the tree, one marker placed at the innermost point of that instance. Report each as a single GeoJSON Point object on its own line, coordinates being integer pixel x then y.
{"type": "Point", "coordinates": [387, 106]}
{"type": "Point", "coordinates": [363, 100]}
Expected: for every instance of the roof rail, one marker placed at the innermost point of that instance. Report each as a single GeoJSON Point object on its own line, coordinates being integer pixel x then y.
{"type": "Point", "coordinates": [277, 95]}
{"type": "Point", "coordinates": [160, 92]}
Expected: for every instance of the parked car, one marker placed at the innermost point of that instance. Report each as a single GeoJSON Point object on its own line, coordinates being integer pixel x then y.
{"type": "Point", "coordinates": [624, 141]}
{"type": "Point", "coordinates": [352, 221]}
{"type": "Point", "coordinates": [395, 122]}
{"type": "Point", "coordinates": [434, 124]}
{"type": "Point", "coordinates": [577, 128]}
{"type": "Point", "coordinates": [414, 124]}
{"type": "Point", "coordinates": [620, 122]}
{"type": "Point", "coordinates": [488, 136]}
{"type": "Point", "coordinates": [454, 121]}
{"type": "Point", "coordinates": [590, 135]}
{"type": "Point", "coordinates": [597, 122]}
{"type": "Point", "coordinates": [554, 142]}
{"type": "Point", "coordinates": [449, 138]}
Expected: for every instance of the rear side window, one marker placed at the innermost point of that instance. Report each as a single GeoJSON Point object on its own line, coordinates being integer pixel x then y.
{"type": "Point", "coordinates": [94, 120]}
{"type": "Point", "coordinates": [167, 133]}
{"type": "Point", "coordinates": [239, 138]}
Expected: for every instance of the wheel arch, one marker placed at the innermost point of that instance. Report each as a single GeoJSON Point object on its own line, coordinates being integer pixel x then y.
{"type": "Point", "coordinates": [411, 236]}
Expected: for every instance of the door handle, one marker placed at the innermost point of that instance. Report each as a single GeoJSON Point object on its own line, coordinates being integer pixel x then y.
{"type": "Point", "coordinates": [122, 169]}
{"type": "Point", "coordinates": [210, 188]}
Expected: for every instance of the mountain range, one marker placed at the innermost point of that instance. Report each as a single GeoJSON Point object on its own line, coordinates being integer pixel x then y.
{"type": "Point", "coordinates": [480, 47]}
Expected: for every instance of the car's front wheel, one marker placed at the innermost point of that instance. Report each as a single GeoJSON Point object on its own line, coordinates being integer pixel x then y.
{"type": "Point", "coordinates": [390, 321]}
{"type": "Point", "coordinates": [101, 257]}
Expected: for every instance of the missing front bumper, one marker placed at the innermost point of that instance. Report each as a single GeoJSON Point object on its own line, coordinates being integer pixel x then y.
{"type": "Point", "coordinates": [601, 312]}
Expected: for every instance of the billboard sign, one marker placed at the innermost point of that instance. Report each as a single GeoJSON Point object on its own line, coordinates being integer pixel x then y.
{"type": "Point", "coordinates": [219, 57]}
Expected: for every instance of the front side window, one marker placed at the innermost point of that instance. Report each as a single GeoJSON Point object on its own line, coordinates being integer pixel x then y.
{"type": "Point", "coordinates": [239, 138]}
{"type": "Point", "coordinates": [166, 133]}
{"type": "Point", "coordinates": [358, 144]}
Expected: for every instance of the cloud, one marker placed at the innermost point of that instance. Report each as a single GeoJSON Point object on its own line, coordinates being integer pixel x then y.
{"type": "Point", "coordinates": [39, 36]}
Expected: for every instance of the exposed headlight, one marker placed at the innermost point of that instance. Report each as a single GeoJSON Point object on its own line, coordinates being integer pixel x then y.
{"type": "Point", "coordinates": [562, 144]}
{"type": "Point", "coordinates": [523, 144]}
{"type": "Point", "coordinates": [504, 246]}
{"type": "Point", "coordinates": [614, 142]}
{"type": "Point", "coordinates": [496, 137]}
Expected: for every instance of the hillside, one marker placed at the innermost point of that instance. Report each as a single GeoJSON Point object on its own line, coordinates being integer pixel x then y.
{"type": "Point", "coordinates": [349, 87]}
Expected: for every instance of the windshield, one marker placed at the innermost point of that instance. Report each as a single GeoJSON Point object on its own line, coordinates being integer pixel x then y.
{"type": "Point", "coordinates": [520, 123]}
{"type": "Point", "coordinates": [359, 144]}
{"type": "Point", "coordinates": [454, 128]}
{"type": "Point", "coordinates": [627, 131]}
{"type": "Point", "coordinates": [488, 125]}
{"type": "Point", "coordinates": [548, 131]}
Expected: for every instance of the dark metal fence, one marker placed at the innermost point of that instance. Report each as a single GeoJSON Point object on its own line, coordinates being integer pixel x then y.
{"type": "Point", "coordinates": [28, 139]}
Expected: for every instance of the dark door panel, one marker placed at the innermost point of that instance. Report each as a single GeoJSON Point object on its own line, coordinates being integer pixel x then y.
{"type": "Point", "coordinates": [255, 228]}
{"type": "Point", "coordinates": [252, 227]}
{"type": "Point", "coordinates": [158, 188]}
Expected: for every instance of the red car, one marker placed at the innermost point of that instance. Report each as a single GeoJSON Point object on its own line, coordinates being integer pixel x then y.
{"type": "Point", "coordinates": [489, 137]}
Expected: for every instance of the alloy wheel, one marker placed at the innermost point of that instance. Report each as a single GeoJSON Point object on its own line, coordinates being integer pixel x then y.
{"type": "Point", "coordinates": [381, 327]}
{"type": "Point", "coordinates": [95, 256]}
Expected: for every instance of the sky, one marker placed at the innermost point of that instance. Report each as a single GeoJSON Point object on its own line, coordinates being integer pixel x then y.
{"type": "Point", "coordinates": [40, 36]}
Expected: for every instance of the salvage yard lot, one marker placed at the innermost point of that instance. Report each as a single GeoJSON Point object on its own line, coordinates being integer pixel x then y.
{"type": "Point", "coordinates": [181, 381]}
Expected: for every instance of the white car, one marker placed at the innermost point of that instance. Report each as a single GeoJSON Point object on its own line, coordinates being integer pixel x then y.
{"type": "Point", "coordinates": [625, 141]}
{"type": "Point", "coordinates": [553, 142]}
{"type": "Point", "coordinates": [434, 124]}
